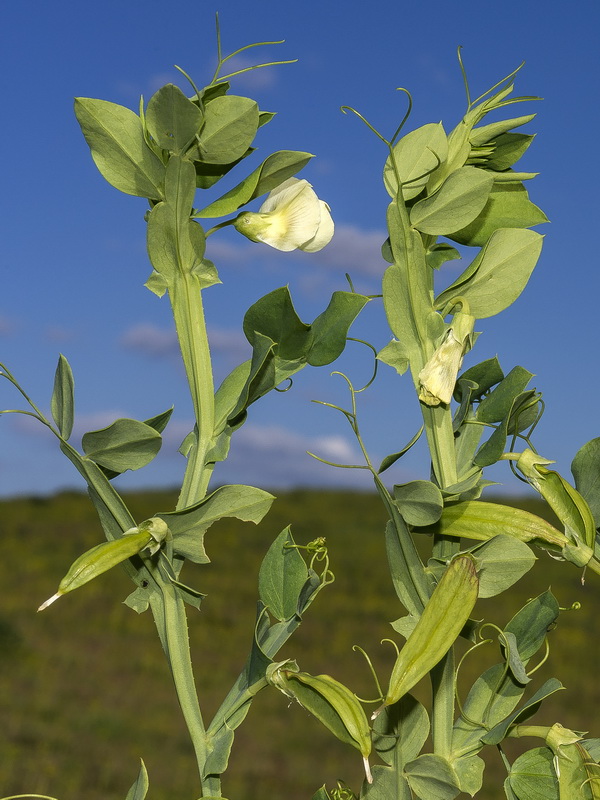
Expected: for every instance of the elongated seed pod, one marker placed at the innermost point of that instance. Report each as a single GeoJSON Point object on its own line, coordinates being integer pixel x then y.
{"type": "Point", "coordinates": [107, 555]}
{"type": "Point", "coordinates": [439, 625]}
{"type": "Point", "coordinates": [332, 703]}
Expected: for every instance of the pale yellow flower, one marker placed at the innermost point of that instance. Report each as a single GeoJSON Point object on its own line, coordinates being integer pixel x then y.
{"type": "Point", "coordinates": [438, 377]}
{"type": "Point", "coordinates": [291, 218]}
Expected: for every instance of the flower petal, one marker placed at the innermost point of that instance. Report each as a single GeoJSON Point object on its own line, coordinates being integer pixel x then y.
{"type": "Point", "coordinates": [324, 232]}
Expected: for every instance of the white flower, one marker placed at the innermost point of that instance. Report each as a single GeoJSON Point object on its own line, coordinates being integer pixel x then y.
{"type": "Point", "coordinates": [291, 218]}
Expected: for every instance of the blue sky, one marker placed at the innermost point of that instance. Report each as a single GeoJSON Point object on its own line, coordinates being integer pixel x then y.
{"type": "Point", "coordinates": [72, 252]}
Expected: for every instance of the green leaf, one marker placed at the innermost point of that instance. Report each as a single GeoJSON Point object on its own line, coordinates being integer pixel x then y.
{"type": "Point", "coordinates": [439, 253]}
{"type": "Point", "coordinates": [513, 659]}
{"type": "Point", "coordinates": [400, 731]}
{"type": "Point", "coordinates": [499, 274]}
{"type": "Point", "coordinates": [586, 471]}
{"type": "Point", "coordinates": [387, 783]}
{"type": "Point", "coordinates": [530, 625]}
{"type": "Point", "coordinates": [485, 374]}
{"type": "Point", "coordinates": [116, 138]}
{"type": "Point", "coordinates": [394, 354]}
{"type": "Point", "coordinates": [172, 120]}
{"type": "Point", "coordinates": [496, 406]}
{"type": "Point", "coordinates": [140, 787]}
{"type": "Point", "coordinates": [330, 329]}
{"type": "Point", "coordinates": [415, 155]}
{"type": "Point", "coordinates": [125, 444]}
{"type": "Point", "coordinates": [497, 734]}
{"type": "Point", "coordinates": [493, 131]}
{"type": "Point", "coordinates": [420, 502]}
{"type": "Point", "coordinates": [189, 525]}
{"type": "Point", "coordinates": [493, 695]}
{"type": "Point", "coordinates": [176, 244]}
{"type": "Point", "coordinates": [432, 777]}
{"type": "Point", "coordinates": [469, 771]}
{"type": "Point", "coordinates": [275, 317]}
{"type": "Point", "coordinates": [457, 203]}
{"type": "Point", "coordinates": [508, 206]}
{"type": "Point", "coordinates": [62, 404]}
{"type": "Point", "coordinates": [274, 170]}
{"type": "Point", "coordinates": [391, 459]}
{"type": "Point", "coordinates": [532, 775]}
{"type": "Point", "coordinates": [509, 147]}
{"type": "Point", "coordinates": [230, 126]}
{"type": "Point", "coordinates": [282, 576]}
{"type": "Point", "coordinates": [501, 562]}
{"type": "Point", "coordinates": [160, 421]}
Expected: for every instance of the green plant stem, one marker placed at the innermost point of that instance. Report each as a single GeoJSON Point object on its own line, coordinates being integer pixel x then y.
{"type": "Point", "coordinates": [186, 302]}
{"type": "Point", "coordinates": [169, 615]}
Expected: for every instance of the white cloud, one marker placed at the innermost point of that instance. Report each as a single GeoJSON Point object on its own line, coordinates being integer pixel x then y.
{"type": "Point", "coordinates": [156, 342]}
{"type": "Point", "coordinates": [6, 326]}
{"type": "Point", "coordinates": [351, 250]}
{"type": "Point", "coordinates": [276, 456]}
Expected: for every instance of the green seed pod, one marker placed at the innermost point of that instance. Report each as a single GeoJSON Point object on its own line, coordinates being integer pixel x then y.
{"type": "Point", "coordinates": [149, 534]}
{"type": "Point", "coordinates": [331, 703]}
{"type": "Point", "coordinates": [566, 502]}
{"type": "Point", "coordinates": [439, 625]}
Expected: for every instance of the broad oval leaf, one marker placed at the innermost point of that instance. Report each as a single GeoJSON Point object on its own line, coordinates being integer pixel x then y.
{"type": "Point", "coordinates": [499, 273]}
{"type": "Point", "coordinates": [416, 154]}
{"type": "Point", "coordinates": [116, 139]}
{"type": "Point", "coordinates": [458, 202]}
{"type": "Point", "coordinates": [282, 576]}
{"type": "Point", "coordinates": [532, 775]}
{"type": "Point", "coordinates": [230, 125]}
{"type": "Point", "coordinates": [508, 206]}
{"type": "Point", "coordinates": [420, 502]}
{"type": "Point", "coordinates": [172, 120]}
{"type": "Point", "coordinates": [432, 777]}
{"type": "Point", "coordinates": [501, 562]}
{"type": "Point", "coordinates": [126, 444]}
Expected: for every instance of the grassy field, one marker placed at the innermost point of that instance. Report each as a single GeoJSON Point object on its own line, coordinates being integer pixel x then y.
{"type": "Point", "coordinates": [85, 692]}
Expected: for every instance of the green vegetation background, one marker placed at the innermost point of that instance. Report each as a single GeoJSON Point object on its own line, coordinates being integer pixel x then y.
{"type": "Point", "coordinates": [84, 690]}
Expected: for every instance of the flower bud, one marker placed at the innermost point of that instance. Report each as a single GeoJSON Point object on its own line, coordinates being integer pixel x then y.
{"type": "Point", "coordinates": [438, 377]}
